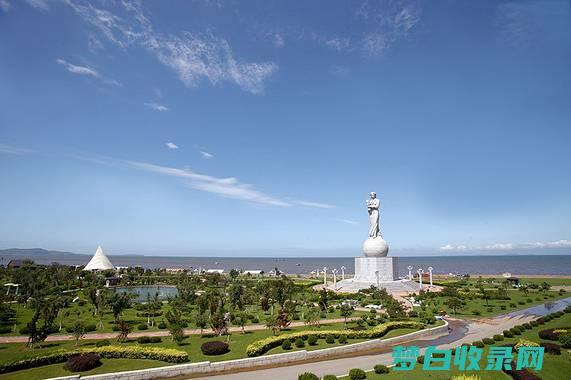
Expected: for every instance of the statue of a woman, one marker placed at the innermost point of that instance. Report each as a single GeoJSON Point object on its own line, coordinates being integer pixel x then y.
{"type": "Point", "coordinates": [373, 205]}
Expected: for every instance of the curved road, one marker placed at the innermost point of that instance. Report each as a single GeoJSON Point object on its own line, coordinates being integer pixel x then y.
{"type": "Point", "coordinates": [461, 331]}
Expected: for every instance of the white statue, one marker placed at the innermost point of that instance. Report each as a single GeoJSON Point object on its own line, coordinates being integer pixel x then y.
{"type": "Point", "coordinates": [373, 205]}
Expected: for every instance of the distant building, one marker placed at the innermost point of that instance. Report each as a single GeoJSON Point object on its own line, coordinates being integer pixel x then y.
{"type": "Point", "coordinates": [219, 271]}
{"type": "Point", "coordinates": [15, 263]}
{"type": "Point", "coordinates": [253, 272]}
{"type": "Point", "coordinates": [99, 261]}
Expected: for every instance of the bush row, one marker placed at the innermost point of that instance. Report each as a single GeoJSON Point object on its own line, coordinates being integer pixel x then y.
{"type": "Point", "coordinates": [168, 355]}
{"type": "Point", "coordinates": [262, 346]}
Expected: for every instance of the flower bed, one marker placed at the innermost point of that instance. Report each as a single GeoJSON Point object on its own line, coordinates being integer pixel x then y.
{"type": "Point", "coordinates": [264, 345]}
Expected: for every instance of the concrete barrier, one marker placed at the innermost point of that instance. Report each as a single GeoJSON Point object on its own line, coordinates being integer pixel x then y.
{"type": "Point", "coordinates": [260, 361]}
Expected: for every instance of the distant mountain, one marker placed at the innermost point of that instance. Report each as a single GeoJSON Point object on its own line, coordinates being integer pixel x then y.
{"type": "Point", "coordinates": [33, 252]}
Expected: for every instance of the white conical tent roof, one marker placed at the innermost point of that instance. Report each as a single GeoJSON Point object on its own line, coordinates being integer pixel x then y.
{"type": "Point", "coordinates": [99, 261]}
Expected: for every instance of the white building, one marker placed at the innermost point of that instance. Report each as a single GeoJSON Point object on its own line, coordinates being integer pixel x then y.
{"type": "Point", "coordinates": [99, 261]}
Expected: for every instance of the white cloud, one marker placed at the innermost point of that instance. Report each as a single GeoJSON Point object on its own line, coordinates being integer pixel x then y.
{"type": "Point", "coordinates": [5, 5]}
{"type": "Point", "coordinates": [559, 244]}
{"type": "Point", "coordinates": [347, 221]}
{"type": "Point", "coordinates": [338, 43]}
{"type": "Point", "coordinates": [229, 187]}
{"type": "Point", "coordinates": [80, 70]}
{"type": "Point", "coordinates": [388, 22]}
{"type": "Point", "coordinates": [450, 247]}
{"type": "Point", "coordinates": [171, 145]}
{"type": "Point", "coordinates": [192, 56]}
{"type": "Point", "coordinates": [94, 44]}
{"type": "Point", "coordinates": [86, 71]}
{"type": "Point", "coordinates": [9, 149]}
{"type": "Point", "coordinates": [206, 155]}
{"type": "Point", "coordinates": [278, 40]}
{"type": "Point", "coordinates": [39, 4]}
{"type": "Point", "coordinates": [157, 107]}
{"type": "Point", "coordinates": [500, 246]}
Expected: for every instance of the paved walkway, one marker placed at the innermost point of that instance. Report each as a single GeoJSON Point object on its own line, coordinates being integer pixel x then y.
{"type": "Point", "coordinates": [234, 329]}
{"type": "Point", "coordinates": [461, 331]}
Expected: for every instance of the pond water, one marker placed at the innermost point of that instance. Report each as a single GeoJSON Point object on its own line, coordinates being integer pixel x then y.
{"type": "Point", "coordinates": [141, 292]}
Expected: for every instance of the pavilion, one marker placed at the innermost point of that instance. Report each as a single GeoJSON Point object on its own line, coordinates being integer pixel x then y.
{"type": "Point", "coordinates": [99, 262]}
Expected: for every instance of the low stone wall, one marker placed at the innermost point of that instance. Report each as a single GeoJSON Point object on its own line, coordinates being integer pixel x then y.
{"type": "Point", "coordinates": [260, 361]}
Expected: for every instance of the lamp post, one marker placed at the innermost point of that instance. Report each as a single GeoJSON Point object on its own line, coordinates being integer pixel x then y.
{"type": "Point", "coordinates": [343, 272]}
{"type": "Point", "coordinates": [317, 273]}
{"type": "Point", "coordinates": [420, 272]}
{"type": "Point", "coordinates": [430, 273]}
{"type": "Point", "coordinates": [324, 276]}
{"type": "Point", "coordinates": [410, 272]}
{"type": "Point", "coordinates": [334, 278]}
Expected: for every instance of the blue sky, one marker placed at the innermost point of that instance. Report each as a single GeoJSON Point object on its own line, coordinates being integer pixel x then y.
{"type": "Point", "coordinates": [258, 128]}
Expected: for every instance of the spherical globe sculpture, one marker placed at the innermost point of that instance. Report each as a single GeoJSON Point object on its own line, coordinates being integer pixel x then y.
{"type": "Point", "coordinates": [375, 247]}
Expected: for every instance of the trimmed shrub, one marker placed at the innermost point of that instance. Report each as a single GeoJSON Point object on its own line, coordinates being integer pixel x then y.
{"type": "Point", "coordinates": [103, 343]}
{"type": "Point", "coordinates": [330, 339]}
{"type": "Point", "coordinates": [488, 341]}
{"type": "Point", "coordinates": [286, 344]}
{"type": "Point", "coordinates": [527, 326]}
{"type": "Point", "coordinates": [143, 326]}
{"type": "Point", "coordinates": [508, 334]}
{"type": "Point", "coordinates": [312, 340]}
{"type": "Point", "coordinates": [525, 343]}
{"type": "Point", "coordinates": [478, 344]}
{"type": "Point", "coordinates": [357, 374]}
{"type": "Point", "coordinates": [329, 377]}
{"type": "Point", "coordinates": [214, 347]}
{"type": "Point", "coordinates": [144, 339]}
{"type": "Point", "coordinates": [307, 376]}
{"type": "Point", "coordinates": [551, 348]}
{"type": "Point", "coordinates": [380, 368]}
{"type": "Point", "coordinates": [156, 339]}
{"type": "Point", "coordinates": [498, 337]}
{"type": "Point", "coordinates": [83, 362]}
{"type": "Point", "coordinates": [520, 374]}
{"type": "Point", "coordinates": [343, 339]}
{"type": "Point", "coordinates": [550, 334]}
{"type": "Point", "coordinates": [162, 325]}
{"type": "Point", "coordinates": [261, 346]}
{"type": "Point", "coordinates": [565, 340]}
{"type": "Point", "coordinates": [515, 331]}
{"type": "Point", "coordinates": [299, 343]}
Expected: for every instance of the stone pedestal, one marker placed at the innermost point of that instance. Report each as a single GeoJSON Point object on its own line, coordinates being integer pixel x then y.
{"type": "Point", "coordinates": [365, 268]}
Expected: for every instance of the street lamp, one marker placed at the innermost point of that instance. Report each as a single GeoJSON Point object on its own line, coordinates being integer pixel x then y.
{"type": "Point", "coordinates": [430, 272]}
{"type": "Point", "coordinates": [325, 276]}
{"type": "Point", "coordinates": [420, 272]}
{"type": "Point", "coordinates": [334, 278]}
{"type": "Point", "coordinates": [343, 272]}
{"type": "Point", "coordinates": [410, 272]}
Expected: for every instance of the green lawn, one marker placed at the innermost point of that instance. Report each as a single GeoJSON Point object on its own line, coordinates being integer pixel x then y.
{"type": "Point", "coordinates": [494, 307]}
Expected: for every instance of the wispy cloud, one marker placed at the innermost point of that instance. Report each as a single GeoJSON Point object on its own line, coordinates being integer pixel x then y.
{"type": "Point", "coordinates": [347, 221]}
{"type": "Point", "coordinates": [86, 71]}
{"type": "Point", "coordinates": [338, 43]}
{"type": "Point", "coordinates": [157, 107]}
{"type": "Point", "coordinates": [229, 187]}
{"type": "Point", "coordinates": [39, 4]}
{"type": "Point", "coordinates": [206, 155]}
{"type": "Point", "coordinates": [5, 5]}
{"type": "Point", "coordinates": [388, 22]}
{"type": "Point", "coordinates": [192, 56]}
{"type": "Point", "coordinates": [508, 246]}
{"type": "Point", "coordinates": [171, 145]}
{"type": "Point", "coordinates": [9, 149]}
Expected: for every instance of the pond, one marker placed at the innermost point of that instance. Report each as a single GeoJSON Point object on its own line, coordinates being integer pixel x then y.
{"type": "Point", "coordinates": [141, 292]}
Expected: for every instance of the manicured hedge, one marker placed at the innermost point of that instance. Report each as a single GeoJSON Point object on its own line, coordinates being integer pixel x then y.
{"type": "Point", "coordinates": [551, 348]}
{"type": "Point", "coordinates": [357, 374]}
{"type": "Point", "coordinates": [83, 362]}
{"type": "Point", "coordinates": [307, 376]}
{"type": "Point", "coordinates": [262, 346]}
{"type": "Point", "coordinates": [215, 347]}
{"type": "Point", "coordinates": [380, 368]}
{"type": "Point", "coordinates": [168, 355]}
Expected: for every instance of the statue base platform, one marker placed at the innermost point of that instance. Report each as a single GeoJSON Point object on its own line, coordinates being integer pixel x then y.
{"type": "Point", "coordinates": [373, 269]}
{"type": "Point", "coordinates": [377, 271]}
